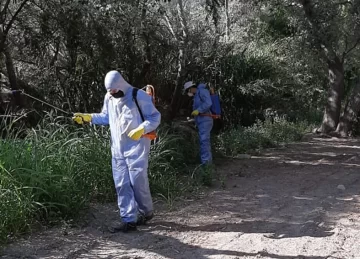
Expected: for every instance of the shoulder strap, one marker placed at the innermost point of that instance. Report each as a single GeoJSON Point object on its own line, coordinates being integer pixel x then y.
{"type": "Point", "coordinates": [134, 95]}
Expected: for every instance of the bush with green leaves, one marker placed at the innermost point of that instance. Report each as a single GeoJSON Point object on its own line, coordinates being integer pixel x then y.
{"type": "Point", "coordinates": [263, 134]}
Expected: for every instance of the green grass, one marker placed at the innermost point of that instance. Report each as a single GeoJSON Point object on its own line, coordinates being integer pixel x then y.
{"type": "Point", "coordinates": [263, 134]}
{"type": "Point", "coordinates": [57, 169]}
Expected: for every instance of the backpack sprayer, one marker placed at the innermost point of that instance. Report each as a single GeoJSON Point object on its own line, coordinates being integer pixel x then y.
{"type": "Point", "coordinates": [215, 108]}
{"type": "Point", "coordinates": [150, 90]}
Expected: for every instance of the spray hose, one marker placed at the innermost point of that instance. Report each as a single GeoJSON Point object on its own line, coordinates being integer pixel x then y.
{"type": "Point", "coordinates": [149, 90]}
{"type": "Point", "coordinates": [41, 101]}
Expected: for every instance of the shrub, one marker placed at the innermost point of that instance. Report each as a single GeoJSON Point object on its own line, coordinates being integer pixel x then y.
{"type": "Point", "coordinates": [263, 134]}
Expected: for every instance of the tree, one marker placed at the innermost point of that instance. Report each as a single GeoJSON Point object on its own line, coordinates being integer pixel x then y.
{"type": "Point", "coordinates": [336, 41]}
{"type": "Point", "coordinates": [259, 54]}
{"type": "Point", "coordinates": [331, 30]}
{"type": "Point", "coordinates": [9, 11]}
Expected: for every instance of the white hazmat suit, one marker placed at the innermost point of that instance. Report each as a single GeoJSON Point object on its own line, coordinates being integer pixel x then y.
{"type": "Point", "coordinates": [129, 156]}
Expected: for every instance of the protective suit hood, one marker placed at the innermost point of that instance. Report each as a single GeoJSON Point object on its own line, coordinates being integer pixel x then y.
{"type": "Point", "coordinates": [201, 86]}
{"type": "Point", "coordinates": [115, 81]}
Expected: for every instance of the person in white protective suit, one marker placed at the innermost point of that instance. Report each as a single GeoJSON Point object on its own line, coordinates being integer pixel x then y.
{"type": "Point", "coordinates": [129, 148]}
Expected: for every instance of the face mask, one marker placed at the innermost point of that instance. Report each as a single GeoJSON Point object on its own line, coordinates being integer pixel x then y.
{"type": "Point", "coordinates": [190, 94]}
{"type": "Point", "coordinates": [118, 94]}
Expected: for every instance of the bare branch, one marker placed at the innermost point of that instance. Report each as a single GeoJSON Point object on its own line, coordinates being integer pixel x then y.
{"type": "Point", "coordinates": [180, 10]}
{"type": "Point", "coordinates": [346, 45]}
{"type": "Point", "coordinates": [55, 57]}
{"type": "Point", "coordinates": [169, 26]}
{"type": "Point", "coordinates": [353, 47]}
{"type": "Point", "coordinates": [8, 27]}
{"type": "Point", "coordinates": [3, 11]}
{"type": "Point", "coordinates": [344, 2]}
{"type": "Point", "coordinates": [26, 61]}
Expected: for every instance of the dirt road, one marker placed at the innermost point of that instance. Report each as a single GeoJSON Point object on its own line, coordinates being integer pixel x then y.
{"type": "Point", "coordinates": [301, 201]}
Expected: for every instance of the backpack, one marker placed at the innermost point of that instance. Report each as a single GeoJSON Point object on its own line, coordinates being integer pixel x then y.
{"type": "Point", "coordinates": [151, 135]}
{"type": "Point", "coordinates": [215, 108]}
{"type": "Point", "coordinates": [215, 111]}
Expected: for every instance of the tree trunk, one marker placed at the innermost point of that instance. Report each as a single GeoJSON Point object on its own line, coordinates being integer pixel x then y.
{"type": "Point", "coordinates": [227, 18]}
{"type": "Point", "coordinates": [145, 34]}
{"type": "Point", "coordinates": [10, 69]}
{"type": "Point", "coordinates": [12, 75]}
{"type": "Point", "coordinates": [181, 59]}
{"type": "Point", "coordinates": [217, 34]}
{"type": "Point", "coordinates": [335, 96]}
{"type": "Point", "coordinates": [351, 111]}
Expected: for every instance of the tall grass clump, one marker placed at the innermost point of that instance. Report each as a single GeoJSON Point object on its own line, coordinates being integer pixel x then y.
{"type": "Point", "coordinates": [171, 161]}
{"type": "Point", "coordinates": [15, 206]}
{"type": "Point", "coordinates": [263, 134]}
{"type": "Point", "coordinates": [54, 170]}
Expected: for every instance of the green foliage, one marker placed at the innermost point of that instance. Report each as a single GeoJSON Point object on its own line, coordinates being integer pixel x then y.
{"type": "Point", "coordinates": [277, 23]}
{"type": "Point", "coordinates": [65, 48]}
{"type": "Point", "coordinates": [57, 169]}
{"type": "Point", "coordinates": [263, 134]}
{"type": "Point", "coordinates": [16, 207]}
{"type": "Point", "coordinates": [169, 162]}
{"type": "Point", "coordinates": [248, 84]}
{"type": "Point", "coordinates": [205, 174]}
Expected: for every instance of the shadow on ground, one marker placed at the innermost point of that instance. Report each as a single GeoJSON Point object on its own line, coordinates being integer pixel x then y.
{"type": "Point", "coordinates": [301, 190]}
{"type": "Point", "coordinates": [169, 247]}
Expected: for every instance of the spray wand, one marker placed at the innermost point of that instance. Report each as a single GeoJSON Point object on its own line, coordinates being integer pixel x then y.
{"type": "Point", "coordinates": [41, 101]}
